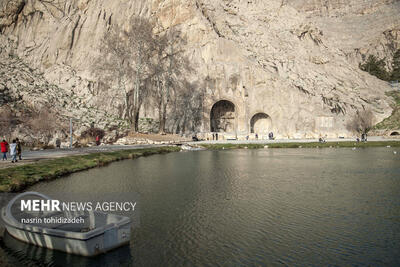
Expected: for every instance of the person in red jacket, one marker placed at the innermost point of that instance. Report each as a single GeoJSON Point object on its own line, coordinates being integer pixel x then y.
{"type": "Point", "coordinates": [4, 149]}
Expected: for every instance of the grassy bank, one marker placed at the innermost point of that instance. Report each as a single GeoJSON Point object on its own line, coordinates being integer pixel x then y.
{"type": "Point", "coordinates": [302, 145]}
{"type": "Point", "coordinates": [15, 179]}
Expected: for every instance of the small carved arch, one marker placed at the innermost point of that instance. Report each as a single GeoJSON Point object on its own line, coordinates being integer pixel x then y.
{"type": "Point", "coordinates": [260, 123]}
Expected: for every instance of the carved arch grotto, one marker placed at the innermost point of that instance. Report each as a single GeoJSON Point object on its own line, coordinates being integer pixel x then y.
{"type": "Point", "coordinates": [260, 123]}
{"type": "Point", "coordinates": [223, 117]}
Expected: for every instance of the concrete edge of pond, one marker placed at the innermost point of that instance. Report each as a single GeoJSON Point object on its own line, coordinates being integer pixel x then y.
{"type": "Point", "coordinates": [334, 144]}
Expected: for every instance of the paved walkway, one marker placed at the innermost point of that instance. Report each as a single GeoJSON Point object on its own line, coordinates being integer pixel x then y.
{"type": "Point", "coordinates": [34, 156]}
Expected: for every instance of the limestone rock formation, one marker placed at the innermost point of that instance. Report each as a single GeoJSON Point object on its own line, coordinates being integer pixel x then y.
{"type": "Point", "coordinates": [291, 64]}
{"type": "Point", "coordinates": [358, 27]}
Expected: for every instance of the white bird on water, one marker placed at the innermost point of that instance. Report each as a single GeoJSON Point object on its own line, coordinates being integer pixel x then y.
{"type": "Point", "coordinates": [394, 152]}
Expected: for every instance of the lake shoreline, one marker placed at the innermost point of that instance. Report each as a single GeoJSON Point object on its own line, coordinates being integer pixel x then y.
{"type": "Point", "coordinates": [16, 179]}
{"type": "Point", "coordinates": [342, 144]}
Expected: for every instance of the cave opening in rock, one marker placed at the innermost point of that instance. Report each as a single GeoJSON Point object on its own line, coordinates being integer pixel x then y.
{"type": "Point", "coordinates": [260, 123]}
{"type": "Point", "coordinates": [222, 117]}
{"type": "Point", "coordinates": [395, 133]}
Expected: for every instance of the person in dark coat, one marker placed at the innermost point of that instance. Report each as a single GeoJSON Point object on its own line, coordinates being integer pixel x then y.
{"type": "Point", "coordinates": [19, 149]}
{"type": "Point", "coordinates": [58, 143]}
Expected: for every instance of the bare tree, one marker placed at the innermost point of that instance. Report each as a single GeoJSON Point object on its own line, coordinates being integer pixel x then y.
{"type": "Point", "coordinates": [362, 122]}
{"type": "Point", "coordinates": [44, 124]}
{"type": "Point", "coordinates": [140, 38]}
{"type": "Point", "coordinates": [187, 109]}
{"type": "Point", "coordinates": [159, 80]}
{"type": "Point", "coordinates": [169, 62]}
{"type": "Point", "coordinates": [112, 66]}
{"type": "Point", "coordinates": [8, 122]}
{"type": "Point", "coordinates": [125, 62]}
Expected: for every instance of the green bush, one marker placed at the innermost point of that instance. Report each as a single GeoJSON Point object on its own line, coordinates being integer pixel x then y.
{"type": "Point", "coordinates": [395, 76]}
{"type": "Point", "coordinates": [376, 67]}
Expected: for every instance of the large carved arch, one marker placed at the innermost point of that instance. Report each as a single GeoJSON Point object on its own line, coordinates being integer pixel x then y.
{"type": "Point", "coordinates": [223, 117]}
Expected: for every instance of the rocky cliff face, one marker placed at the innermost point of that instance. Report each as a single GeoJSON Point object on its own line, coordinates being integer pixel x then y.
{"type": "Point", "coordinates": [293, 61]}
{"type": "Point", "coordinates": [357, 27]}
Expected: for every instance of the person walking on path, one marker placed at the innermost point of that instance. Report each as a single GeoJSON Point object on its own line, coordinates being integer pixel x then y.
{"type": "Point", "coordinates": [4, 149]}
{"type": "Point", "coordinates": [13, 151]}
{"type": "Point", "coordinates": [19, 149]}
{"type": "Point", "coordinates": [58, 143]}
